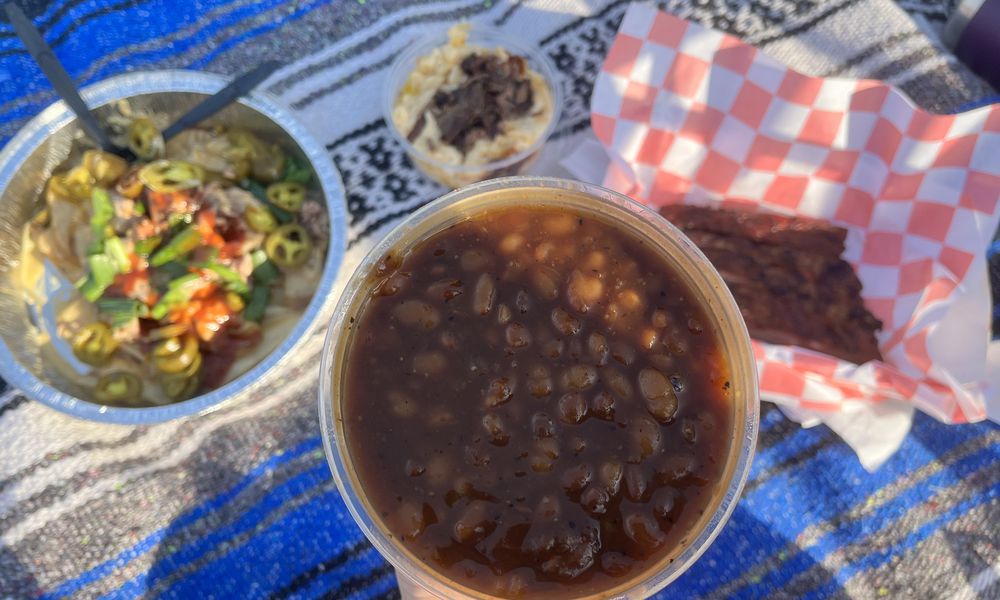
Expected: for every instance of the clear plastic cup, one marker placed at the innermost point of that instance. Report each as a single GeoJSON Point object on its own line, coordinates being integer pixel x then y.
{"type": "Point", "coordinates": [420, 580]}
{"type": "Point", "coordinates": [457, 175]}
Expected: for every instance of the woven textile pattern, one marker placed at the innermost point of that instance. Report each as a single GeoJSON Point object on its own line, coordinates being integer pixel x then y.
{"type": "Point", "coordinates": [240, 503]}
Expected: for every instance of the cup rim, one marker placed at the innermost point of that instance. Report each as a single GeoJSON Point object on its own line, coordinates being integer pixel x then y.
{"type": "Point", "coordinates": [58, 115]}
{"type": "Point", "coordinates": [742, 367]}
{"type": "Point", "coordinates": [482, 35]}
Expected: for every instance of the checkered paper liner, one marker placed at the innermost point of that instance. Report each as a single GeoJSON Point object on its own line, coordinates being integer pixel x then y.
{"type": "Point", "coordinates": [688, 114]}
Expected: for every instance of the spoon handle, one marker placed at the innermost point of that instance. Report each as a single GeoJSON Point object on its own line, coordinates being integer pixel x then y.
{"type": "Point", "coordinates": [238, 87]}
{"type": "Point", "coordinates": [56, 74]}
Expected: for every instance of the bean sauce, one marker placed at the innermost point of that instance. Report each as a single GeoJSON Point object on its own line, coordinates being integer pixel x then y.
{"type": "Point", "coordinates": [536, 404]}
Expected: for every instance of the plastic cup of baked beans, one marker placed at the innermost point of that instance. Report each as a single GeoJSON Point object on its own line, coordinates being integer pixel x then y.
{"type": "Point", "coordinates": [718, 315]}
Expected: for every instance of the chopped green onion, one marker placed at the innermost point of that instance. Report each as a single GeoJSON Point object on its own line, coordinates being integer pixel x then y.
{"type": "Point", "coordinates": [172, 270]}
{"type": "Point", "coordinates": [115, 250]}
{"type": "Point", "coordinates": [179, 291]}
{"type": "Point", "coordinates": [102, 274]}
{"type": "Point", "coordinates": [258, 257]}
{"type": "Point", "coordinates": [159, 310]}
{"type": "Point", "coordinates": [231, 280]}
{"type": "Point", "coordinates": [254, 310]}
{"type": "Point", "coordinates": [265, 274]}
{"type": "Point", "coordinates": [186, 281]}
{"type": "Point", "coordinates": [264, 271]}
{"type": "Point", "coordinates": [121, 311]}
{"type": "Point", "coordinates": [180, 245]}
{"type": "Point", "coordinates": [260, 193]}
{"type": "Point", "coordinates": [145, 247]}
{"type": "Point", "coordinates": [103, 267]}
{"type": "Point", "coordinates": [296, 170]}
{"type": "Point", "coordinates": [162, 306]}
{"type": "Point", "coordinates": [179, 219]}
{"type": "Point", "coordinates": [102, 211]}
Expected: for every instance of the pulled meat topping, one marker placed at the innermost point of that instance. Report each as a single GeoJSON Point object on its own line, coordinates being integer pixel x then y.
{"type": "Point", "coordinates": [495, 90]}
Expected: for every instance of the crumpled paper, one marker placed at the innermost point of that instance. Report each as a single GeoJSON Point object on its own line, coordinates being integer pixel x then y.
{"type": "Point", "coordinates": [682, 113]}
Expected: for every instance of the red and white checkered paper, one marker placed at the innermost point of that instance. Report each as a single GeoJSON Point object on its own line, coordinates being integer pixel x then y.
{"type": "Point", "coordinates": [688, 114]}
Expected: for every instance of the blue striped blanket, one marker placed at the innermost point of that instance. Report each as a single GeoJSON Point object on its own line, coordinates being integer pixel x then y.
{"type": "Point", "coordinates": [240, 503]}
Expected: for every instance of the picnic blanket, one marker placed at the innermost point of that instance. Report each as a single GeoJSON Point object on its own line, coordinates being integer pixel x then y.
{"type": "Point", "coordinates": [241, 503]}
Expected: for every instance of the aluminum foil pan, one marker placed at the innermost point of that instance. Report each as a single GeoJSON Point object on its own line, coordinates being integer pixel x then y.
{"type": "Point", "coordinates": [45, 143]}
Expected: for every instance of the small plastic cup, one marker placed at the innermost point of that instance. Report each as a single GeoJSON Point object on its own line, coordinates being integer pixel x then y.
{"type": "Point", "coordinates": [456, 175]}
{"type": "Point", "coordinates": [418, 579]}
